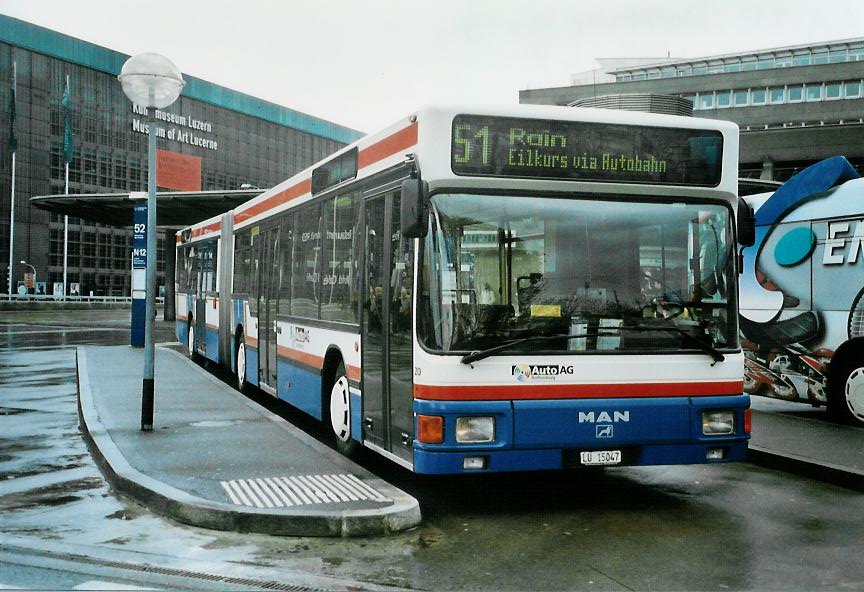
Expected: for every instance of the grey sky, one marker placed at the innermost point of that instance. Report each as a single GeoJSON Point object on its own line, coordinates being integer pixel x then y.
{"type": "Point", "coordinates": [365, 63]}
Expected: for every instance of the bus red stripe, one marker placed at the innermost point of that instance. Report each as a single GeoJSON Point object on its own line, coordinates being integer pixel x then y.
{"type": "Point", "coordinates": [214, 227]}
{"type": "Point", "coordinates": [401, 140]}
{"type": "Point", "coordinates": [578, 391]}
{"type": "Point", "coordinates": [293, 192]}
{"type": "Point", "coordinates": [392, 144]}
{"type": "Point", "coordinates": [313, 361]}
{"type": "Point", "coordinates": [310, 360]}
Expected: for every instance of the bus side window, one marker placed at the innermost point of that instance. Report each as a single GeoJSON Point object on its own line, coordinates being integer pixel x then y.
{"type": "Point", "coordinates": [306, 270]}
{"type": "Point", "coordinates": [286, 256]}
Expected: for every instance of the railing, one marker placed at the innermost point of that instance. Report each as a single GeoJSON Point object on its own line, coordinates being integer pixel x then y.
{"type": "Point", "coordinates": [52, 298]}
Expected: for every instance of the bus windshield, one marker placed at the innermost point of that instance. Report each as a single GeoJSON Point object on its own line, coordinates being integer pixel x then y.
{"type": "Point", "coordinates": [606, 275]}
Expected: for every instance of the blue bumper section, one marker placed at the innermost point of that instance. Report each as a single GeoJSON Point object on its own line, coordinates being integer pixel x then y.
{"type": "Point", "coordinates": [545, 435]}
{"type": "Point", "coordinates": [429, 462]}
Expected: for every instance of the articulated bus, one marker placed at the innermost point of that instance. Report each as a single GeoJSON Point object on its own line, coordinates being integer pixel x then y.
{"type": "Point", "coordinates": [802, 293]}
{"type": "Point", "coordinates": [477, 290]}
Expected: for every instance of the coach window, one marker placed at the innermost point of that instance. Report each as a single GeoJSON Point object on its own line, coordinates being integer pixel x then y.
{"type": "Point", "coordinates": [306, 263]}
{"type": "Point", "coordinates": [338, 257]}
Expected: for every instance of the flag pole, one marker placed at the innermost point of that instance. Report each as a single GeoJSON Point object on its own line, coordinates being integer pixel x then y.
{"type": "Point", "coordinates": [66, 132]}
{"type": "Point", "coordinates": [65, 236]}
{"type": "Point", "coordinates": [13, 144]}
{"type": "Point", "coordinates": [12, 227]}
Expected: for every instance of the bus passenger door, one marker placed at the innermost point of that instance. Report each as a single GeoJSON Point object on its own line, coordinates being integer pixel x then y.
{"type": "Point", "coordinates": [268, 308]}
{"type": "Point", "coordinates": [400, 342]}
{"type": "Point", "coordinates": [205, 263]}
{"type": "Point", "coordinates": [386, 348]}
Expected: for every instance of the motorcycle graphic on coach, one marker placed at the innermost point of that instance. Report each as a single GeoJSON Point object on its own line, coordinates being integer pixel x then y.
{"type": "Point", "coordinates": [802, 292]}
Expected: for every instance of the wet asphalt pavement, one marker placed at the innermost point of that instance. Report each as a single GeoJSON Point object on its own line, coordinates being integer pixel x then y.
{"type": "Point", "coordinates": [720, 527]}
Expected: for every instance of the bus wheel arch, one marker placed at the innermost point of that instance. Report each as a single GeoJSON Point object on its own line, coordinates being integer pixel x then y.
{"type": "Point", "coordinates": [336, 402]}
{"type": "Point", "coordinates": [846, 383]}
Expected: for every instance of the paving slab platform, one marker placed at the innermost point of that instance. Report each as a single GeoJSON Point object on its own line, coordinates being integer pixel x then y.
{"type": "Point", "coordinates": [218, 460]}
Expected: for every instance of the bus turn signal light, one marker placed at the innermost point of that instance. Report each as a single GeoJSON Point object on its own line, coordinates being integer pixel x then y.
{"type": "Point", "coordinates": [430, 429]}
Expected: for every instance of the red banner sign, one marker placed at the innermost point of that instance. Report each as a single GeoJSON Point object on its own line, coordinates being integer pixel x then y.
{"type": "Point", "coordinates": [178, 171]}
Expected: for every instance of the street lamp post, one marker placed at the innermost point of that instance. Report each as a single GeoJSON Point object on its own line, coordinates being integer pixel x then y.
{"type": "Point", "coordinates": [150, 80]}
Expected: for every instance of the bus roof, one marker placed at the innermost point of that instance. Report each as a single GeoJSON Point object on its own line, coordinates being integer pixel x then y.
{"type": "Point", "coordinates": [426, 135]}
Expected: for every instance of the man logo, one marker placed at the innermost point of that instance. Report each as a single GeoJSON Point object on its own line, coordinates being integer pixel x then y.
{"type": "Point", "coordinates": [604, 431]}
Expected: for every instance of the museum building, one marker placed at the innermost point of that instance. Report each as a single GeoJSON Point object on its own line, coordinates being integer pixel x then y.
{"type": "Point", "coordinates": [213, 138]}
{"type": "Point", "coordinates": [794, 105]}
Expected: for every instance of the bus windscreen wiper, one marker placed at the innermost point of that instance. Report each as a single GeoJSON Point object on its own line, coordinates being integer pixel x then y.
{"type": "Point", "coordinates": [485, 353]}
{"type": "Point", "coordinates": [710, 350]}
{"type": "Point", "coordinates": [705, 347]}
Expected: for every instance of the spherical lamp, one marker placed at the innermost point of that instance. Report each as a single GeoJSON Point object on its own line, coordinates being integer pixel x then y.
{"type": "Point", "coordinates": [151, 80]}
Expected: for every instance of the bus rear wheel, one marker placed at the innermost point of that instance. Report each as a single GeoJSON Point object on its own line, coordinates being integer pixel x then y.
{"type": "Point", "coordinates": [340, 413]}
{"type": "Point", "coordinates": [190, 339]}
{"type": "Point", "coordinates": [242, 384]}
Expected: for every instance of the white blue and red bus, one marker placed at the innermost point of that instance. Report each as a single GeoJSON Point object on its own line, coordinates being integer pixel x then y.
{"type": "Point", "coordinates": [802, 293]}
{"type": "Point", "coordinates": [506, 289]}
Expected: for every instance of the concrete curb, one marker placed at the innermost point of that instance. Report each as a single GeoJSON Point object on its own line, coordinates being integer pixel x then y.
{"type": "Point", "coordinates": [805, 467]}
{"type": "Point", "coordinates": [188, 509]}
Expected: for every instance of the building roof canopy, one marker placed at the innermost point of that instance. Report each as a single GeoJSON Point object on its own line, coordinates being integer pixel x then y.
{"type": "Point", "coordinates": [175, 209]}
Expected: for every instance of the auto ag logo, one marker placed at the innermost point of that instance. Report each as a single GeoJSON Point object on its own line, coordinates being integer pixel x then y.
{"type": "Point", "coordinates": [522, 372]}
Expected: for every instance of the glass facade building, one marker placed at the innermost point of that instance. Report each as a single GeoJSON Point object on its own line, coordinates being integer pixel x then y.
{"type": "Point", "coordinates": [795, 105]}
{"type": "Point", "coordinates": [226, 138]}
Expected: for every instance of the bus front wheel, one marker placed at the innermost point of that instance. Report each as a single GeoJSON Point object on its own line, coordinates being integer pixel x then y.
{"type": "Point", "coordinates": [340, 412]}
{"type": "Point", "coordinates": [846, 398]}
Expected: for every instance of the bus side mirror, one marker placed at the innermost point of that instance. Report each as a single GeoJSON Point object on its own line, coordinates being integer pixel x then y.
{"type": "Point", "coordinates": [746, 224]}
{"type": "Point", "coordinates": [412, 211]}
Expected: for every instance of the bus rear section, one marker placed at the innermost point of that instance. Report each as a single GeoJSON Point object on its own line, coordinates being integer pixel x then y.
{"type": "Point", "coordinates": [202, 297]}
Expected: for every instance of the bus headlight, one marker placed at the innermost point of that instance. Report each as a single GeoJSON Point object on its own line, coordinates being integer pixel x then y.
{"type": "Point", "coordinates": [474, 430]}
{"type": "Point", "coordinates": [718, 423]}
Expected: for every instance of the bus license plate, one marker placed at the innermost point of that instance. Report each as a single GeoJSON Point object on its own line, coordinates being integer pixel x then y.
{"type": "Point", "coordinates": [600, 457]}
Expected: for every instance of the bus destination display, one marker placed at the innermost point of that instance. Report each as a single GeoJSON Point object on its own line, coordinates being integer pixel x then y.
{"type": "Point", "coordinates": [585, 151]}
